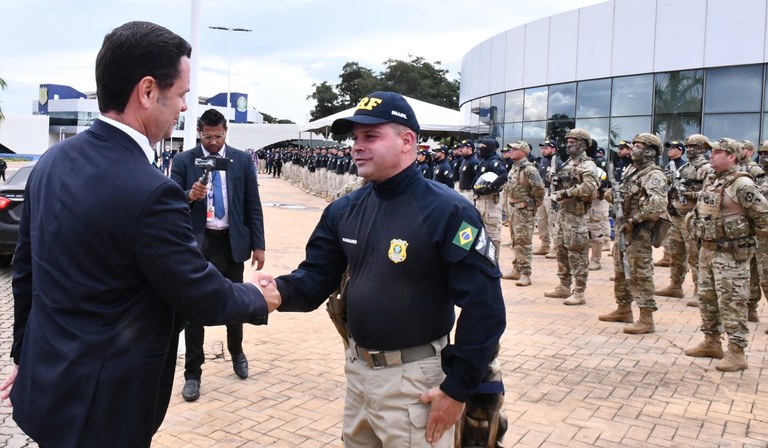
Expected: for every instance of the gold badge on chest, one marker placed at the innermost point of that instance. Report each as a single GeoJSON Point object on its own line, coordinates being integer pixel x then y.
{"type": "Point", "coordinates": [397, 250]}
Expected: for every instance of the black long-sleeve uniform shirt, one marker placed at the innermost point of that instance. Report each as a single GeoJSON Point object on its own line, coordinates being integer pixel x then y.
{"type": "Point", "coordinates": [414, 249]}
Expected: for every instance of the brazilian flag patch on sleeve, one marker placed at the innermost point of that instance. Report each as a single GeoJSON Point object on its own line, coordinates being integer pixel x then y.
{"type": "Point", "coordinates": [465, 236]}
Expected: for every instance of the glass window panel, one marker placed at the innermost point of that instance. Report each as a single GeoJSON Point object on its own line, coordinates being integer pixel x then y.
{"type": "Point", "coordinates": [732, 89]}
{"type": "Point", "coordinates": [512, 132]}
{"type": "Point", "coordinates": [535, 105]}
{"type": "Point", "coordinates": [485, 110]}
{"type": "Point", "coordinates": [474, 118]}
{"type": "Point", "coordinates": [679, 92]}
{"type": "Point", "coordinates": [597, 128]}
{"type": "Point", "coordinates": [632, 95]}
{"type": "Point", "coordinates": [556, 129]}
{"type": "Point", "coordinates": [626, 128]}
{"type": "Point", "coordinates": [593, 98]}
{"type": "Point", "coordinates": [534, 132]}
{"type": "Point", "coordinates": [562, 101]}
{"type": "Point", "coordinates": [764, 135]}
{"type": "Point", "coordinates": [497, 108]}
{"type": "Point", "coordinates": [736, 126]}
{"type": "Point", "coordinates": [513, 112]}
{"type": "Point", "coordinates": [676, 127]}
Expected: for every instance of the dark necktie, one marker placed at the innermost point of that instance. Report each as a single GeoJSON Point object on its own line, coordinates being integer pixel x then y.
{"type": "Point", "coordinates": [218, 196]}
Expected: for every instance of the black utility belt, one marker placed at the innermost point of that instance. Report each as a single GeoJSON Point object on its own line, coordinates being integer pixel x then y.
{"type": "Point", "coordinates": [379, 359]}
{"type": "Point", "coordinates": [728, 244]}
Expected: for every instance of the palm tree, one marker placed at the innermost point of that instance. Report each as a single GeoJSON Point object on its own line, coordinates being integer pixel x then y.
{"type": "Point", "coordinates": [678, 103]}
{"type": "Point", "coordinates": [3, 85]}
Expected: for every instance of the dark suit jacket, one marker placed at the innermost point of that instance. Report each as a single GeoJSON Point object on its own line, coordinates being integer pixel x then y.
{"type": "Point", "coordinates": [246, 220]}
{"type": "Point", "coordinates": [106, 259]}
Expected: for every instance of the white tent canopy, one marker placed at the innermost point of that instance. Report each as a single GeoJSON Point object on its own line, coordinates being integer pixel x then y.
{"type": "Point", "coordinates": [431, 118]}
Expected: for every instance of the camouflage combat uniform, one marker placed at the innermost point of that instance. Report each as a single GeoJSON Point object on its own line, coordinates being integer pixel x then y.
{"type": "Point", "coordinates": [576, 188]}
{"type": "Point", "coordinates": [526, 193]}
{"type": "Point", "coordinates": [756, 275]}
{"type": "Point", "coordinates": [681, 247]}
{"type": "Point", "coordinates": [644, 192]}
{"type": "Point", "coordinates": [729, 214]}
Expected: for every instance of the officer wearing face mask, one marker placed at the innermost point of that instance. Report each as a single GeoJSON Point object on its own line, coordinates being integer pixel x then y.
{"type": "Point", "coordinates": [644, 200]}
{"type": "Point", "coordinates": [576, 189]}
{"type": "Point", "coordinates": [490, 177]}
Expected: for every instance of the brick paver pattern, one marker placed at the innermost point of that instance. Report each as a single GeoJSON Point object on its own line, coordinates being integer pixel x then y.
{"type": "Point", "coordinates": [571, 380]}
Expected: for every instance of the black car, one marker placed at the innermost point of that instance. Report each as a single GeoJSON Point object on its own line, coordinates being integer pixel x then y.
{"type": "Point", "coordinates": [11, 205]}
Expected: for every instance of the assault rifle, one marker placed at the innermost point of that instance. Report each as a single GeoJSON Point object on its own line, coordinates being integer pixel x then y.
{"type": "Point", "coordinates": [619, 218]}
{"type": "Point", "coordinates": [553, 179]}
{"type": "Point", "coordinates": [679, 185]}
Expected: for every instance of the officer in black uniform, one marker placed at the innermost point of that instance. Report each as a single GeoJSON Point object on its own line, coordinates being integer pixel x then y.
{"type": "Point", "coordinates": [487, 193]}
{"type": "Point", "coordinates": [467, 169]}
{"type": "Point", "coordinates": [423, 163]}
{"type": "Point", "coordinates": [442, 171]}
{"type": "Point", "coordinates": [414, 250]}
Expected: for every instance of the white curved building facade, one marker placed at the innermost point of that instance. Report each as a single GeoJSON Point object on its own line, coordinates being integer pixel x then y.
{"type": "Point", "coordinates": [671, 67]}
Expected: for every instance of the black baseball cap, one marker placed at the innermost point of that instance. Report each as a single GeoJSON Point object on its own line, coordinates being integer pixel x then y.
{"type": "Point", "coordinates": [675, 144]}
{"type": "Point", "coordinates": [377, 108]}
{"type": "Point", "coordinates": [550, 143]}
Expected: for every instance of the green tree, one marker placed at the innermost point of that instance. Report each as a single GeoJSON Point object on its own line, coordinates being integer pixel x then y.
{"type": "Point", "coordinates": [416, 78]}
{"type": "Point", "coordinates": [678, 103]}
{"type": "Point", "coordinates": [356, 81]}
{"type": "Point", "coordinates": [3, 86]}
{"type": "Point", "coordinates": [327, 101]}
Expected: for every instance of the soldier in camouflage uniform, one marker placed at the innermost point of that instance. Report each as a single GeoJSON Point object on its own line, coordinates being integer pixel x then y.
{"type": "Point", "coordinates": [749, 166]}
{"type": "Point", "coordinates": [526, 192]}
{"type": "Point", "coordinates": [731, 218]}
{"type": "Point", "coordinates": [697, 146]}
{"type": "Point", "coordinates": [644, 194]}
{"type": "Point", "coordinates": [576, 188]}
{"type": "Point", "coordinates": [762, 252]}
{"type": "Point", "coordinates": [681, 177]}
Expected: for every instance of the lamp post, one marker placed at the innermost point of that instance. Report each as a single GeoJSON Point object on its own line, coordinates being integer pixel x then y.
{"type": "Point", "coordinates": [229, 44]}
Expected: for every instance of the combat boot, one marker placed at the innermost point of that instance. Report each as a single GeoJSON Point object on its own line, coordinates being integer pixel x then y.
{"type": "Point", "coordinates": [711, 347]}
{"type": "Point", "coordinates": [541, 250]}
{"type": "Point", "coordinates": [752, 314]}
{"type": "Point", "coordinates": [594, 261]}
{"type": "Point", "coordinates": [665, 261]}
{"type": "Point", "coordinates": [643, 325]}
{"type": "Point", "coordinates": [734, 359]}
{"type": "Point", "coordinates": [561, 291]}
{"type": "Point", "coordinates": [622, 313]}
{"type": "Point", "coordinates": [525, 280]}
{"type": "Point", "coordinates": [674, 289]}
{"type": "Point", "coordinates": [694, 301]}
{"type": "Point", "coordinates": [514, 274]}
{"type": "Point", "coordinates": [552, 254]}
{"type": "Point", "coordinates": [576, 299]}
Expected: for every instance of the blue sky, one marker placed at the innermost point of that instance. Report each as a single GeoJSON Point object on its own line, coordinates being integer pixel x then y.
{"type": "Point", "coordinates": [294, 43]}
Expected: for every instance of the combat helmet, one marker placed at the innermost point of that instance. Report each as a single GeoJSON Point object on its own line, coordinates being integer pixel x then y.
{"type": "Point", "coordinates": [579, 134]}
{"type": "Point", "coordinates": [648, 140]}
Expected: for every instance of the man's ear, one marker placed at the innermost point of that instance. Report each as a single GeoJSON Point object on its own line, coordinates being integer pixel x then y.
{"type": "Point", "coordinates": [146, 91]}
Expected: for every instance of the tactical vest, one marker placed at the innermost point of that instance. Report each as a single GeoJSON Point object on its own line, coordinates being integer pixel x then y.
{"type": "Point", "coordinates": [632, 188]}
{"type": "Point", "coordinates": [519, 187]}
{"type": "Point", "coordinates": [718, 215]}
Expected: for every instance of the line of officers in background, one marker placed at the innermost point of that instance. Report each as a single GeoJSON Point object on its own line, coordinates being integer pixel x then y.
{"type": "Point", "coordinates": [710, 214]}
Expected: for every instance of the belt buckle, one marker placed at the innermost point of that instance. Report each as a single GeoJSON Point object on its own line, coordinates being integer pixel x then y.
{"type": "Point", "coordinates": [375, 359]}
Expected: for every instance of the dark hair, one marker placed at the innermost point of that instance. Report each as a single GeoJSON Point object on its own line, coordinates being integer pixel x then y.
{"type": "Point", "coordinates": [129, 53]}
{"type": "Point", "coordinates": [212, 118]}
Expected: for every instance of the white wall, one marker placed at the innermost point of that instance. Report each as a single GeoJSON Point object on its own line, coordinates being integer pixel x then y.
{"type": "Point", "coordinates": [616, 38]}
{"type": "Point", "coordinates": [25, 134]}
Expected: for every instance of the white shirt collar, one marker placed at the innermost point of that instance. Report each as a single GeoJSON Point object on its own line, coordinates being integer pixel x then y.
{"type": "Point", "coordinates": [222, 152]}
{"type": "Point", "coordinates": [140, 138]}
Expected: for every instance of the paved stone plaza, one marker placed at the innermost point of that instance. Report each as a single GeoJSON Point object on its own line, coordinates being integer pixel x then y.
{"type": "Point", "coordinates": [571, 380]}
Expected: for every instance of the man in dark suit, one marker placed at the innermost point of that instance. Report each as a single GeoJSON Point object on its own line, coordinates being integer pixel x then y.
{"type": "Point", "coordinates": [107, 266]}
{"type": "Point", "coordinates": [227, 238]}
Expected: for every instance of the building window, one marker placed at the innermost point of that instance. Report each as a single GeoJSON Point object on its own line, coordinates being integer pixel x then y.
{"type": "Point", "coordinates": [512, 132]}
{"type": "Point", "coordinates": [562, 102]}
{"type": "Point", "coordinates": [626, 128]}
{"type": "Point", "coordinates": [497, 108]}
{"type": "Point", "coordinates": [513, 111]}
{"type": "Point", "coordinates": [597, 128]}
{"type": "Point", "coordinates": [535, 105]}
{"type": "Point", "coordinates": [533, 133]}
{"type": "Point", "coordinates": [733, 89]}
{"type": "Point", "coordinates": [679, 92]}
{"type": "Point", "coordinates": [556, 129]}
{"type": "Point", "coordinates": [593, 99]}
{"type": "Point", "coordinates": [632, 95]}
{"type": "Point", "coordinates": [737, 126]}
{"type": "Point", "coordinates": [670, 127]}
